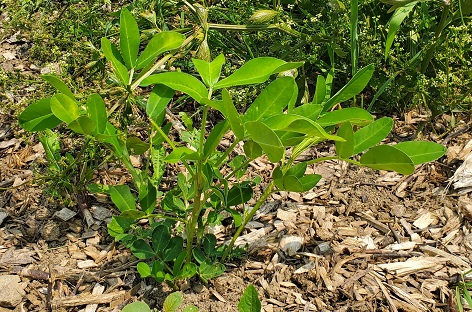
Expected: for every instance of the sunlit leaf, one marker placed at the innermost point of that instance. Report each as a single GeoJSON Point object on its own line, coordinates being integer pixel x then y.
{"type": "Point", "coordinates": [385, 157]}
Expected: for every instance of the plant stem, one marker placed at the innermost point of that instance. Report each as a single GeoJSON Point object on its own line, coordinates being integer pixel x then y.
{"type": "Point", "coordinates": [248, 218]}
{"type": "Point", "coordinates": [226, 153]}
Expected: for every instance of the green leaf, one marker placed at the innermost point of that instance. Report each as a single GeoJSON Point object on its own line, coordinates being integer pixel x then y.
{"type": "Point", "coordinates": [158, 99]}
{"type": "Point", "coordinates": [160, 238]}
{"type": "Point", "coordinates": [254, 71]}
{"type": "Point", "coordinates": [158, 165]}
{"type": "Point", "coordinates": [273, 99]}
{"type": "Point", "coordinates": [267, 139]}
{"type": "Point", "coordinates": [421, 152]}
{"type": "Point", "coordinates": [209, 243]}
{"type": "Point", "coordinates": [64, 108]}
{"type": "Point", "coordinates": [52, 148]}
{"type": "Point", "coordinates": [181, 153]}
{"type": "Point", "coordinates": [133, 214]}
{"type": "Point", "coordinates": [142, 250]}
{"type": "Point", "coordinates": [190, 308]}
{"type": "Point", "coordinates": [353, 114]}
{"type": "Point", "coordinates": [287, 67]}
{"type": "Point", "coordinates": [386, 157]}
{"type": "Point", "coordinates": [136, 146]}
{"type": "Point", "coordinates": [466, 293]}
{"type": "Point", "coordinates": [38, 117]}
{"type": "Point", "coordinates": [182, 82]}
{"type": "Point", "coordinates": [309, 181]}
{"type": "Point", "coordinates": [249, 301]}
{"type": "Point", "coordinates": [173, 302]}
{"type": "Point", "coordinates": [59, 85]}
{"type": "Point", "coordinates": [208, 271]}
{"type": "Point", "coordinates": [148, 197]}
{"type": "Point", "coordinates": [214, 138]}
{"type": "Point", "coordinates": [114, 57]}
{"type": "Point", "coordinates": [137, 306]}
{"type": "Point", "coordinates": [320, 90]}
{"type": "Point", "coordinates": [129, 38]}
{"type": "Point", "coordinates": [345, 149]}
{"type": "Point", "coordinates": [292, 184]}
{"type": "Point", "coordinates": [160, 43]}
{"type": "Point", "coordinates": [252, 149]}
{"type": "Point", "coordinates": [395, 22]}
{"type": "Point", "coordinates": [210, 72]}
{"type": "Point", "coordinates": [97, 111]}
{"type": "Point", "coordinates": [239, 194]}
{"type": "Point", "coordinates": [189, 270]}
{"type": "Point", "coordinates": [310, 111]}
{"type": "Point", "coordinates": [298, 170]}
{"type": "Point", "coordinates": [352, 88]}
{"type": "Point", "coordinates": [372, 134]}
{"type": "Point", "coordinates": [122, 197]}
{"type": "Point", "coordinates": [119, 225]}
{"type": "Point", "coordinates": [143, 269]}
{"type": "Point", "coordinates": [82, 125]}
{"type": "Point", "coordinates": [175, 247]}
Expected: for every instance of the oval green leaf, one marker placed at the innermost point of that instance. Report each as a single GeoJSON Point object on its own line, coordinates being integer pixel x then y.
{"type": "Point", "coordinates": [173, 302]}
{"type": "Point", "coordinates": [64, 108]}
{"type": "Point", "coordinates": [422, 152]}
{"type": "Point", "coordinates": [137, 306]}
{"type": "Point", "coordinates": [160, 43]}
{"type": "Point", "coordinates": [143, 269]}
{"type": "Point", "coordinates": [142, 250]}
{"type": "Point", "coordinates": [114, 57]}
{"type": "Point", "coordinates": [129, 38]}
{"type": "Point", "coordinates": [122, 197]}
{"type": "Point", "coordinates": [372, 134]}
{"type": "Point", "coordinates": [273, 99]}
{"type": "Point", "coordinates": [97, 111]}
{"type": "Point", "coordinates": [82, 125]}
{"type": "Point", "coordinates": [179, 81]}
{"type": "Point", "coordinates": [249, 301]}
{"type": "Point", "coordinates": [353, 114]}
{"type": "Point", "coordinates": [345, 149]}
{"type": "Point", "coordinates": [267, 139]}
{"type": "Point", "coordinates": [386, 157]}
{"type": "Point", "coordinates": [59, 85]}
{"type": "Point", "coordinates": [38, 117]}
{"type": "Point", "coordinates": [160, 238]}
{"type": "Point", "coordinates": [210, 72]}
{"type": "Point", "coordinates": [254, 71]}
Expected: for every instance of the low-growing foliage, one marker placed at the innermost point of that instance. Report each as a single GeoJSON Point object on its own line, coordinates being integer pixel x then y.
{"type": "Point", "coordinates": [170, 231]}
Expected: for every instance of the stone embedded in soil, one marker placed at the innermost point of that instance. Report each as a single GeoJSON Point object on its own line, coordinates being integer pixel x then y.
{"type": "Point", "coordinates": [51, 231]}
{"type": "Point", "coordinates": [65, 214]}
{"type": "Point", "coordinates": [100, 213]}
{"type": "Point", "coordinates": [291, 244]}
{"type": "Point", "coordinates": [12, 291]}
{"type": "Point", "coordinates": [3, 216]}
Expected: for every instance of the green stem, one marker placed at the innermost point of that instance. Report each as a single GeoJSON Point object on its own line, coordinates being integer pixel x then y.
{"type": "Point", "coordinates": [317, 160]}
{"type": "Point", "coordinates": [226, 153]}
{"type": "Point", "coordinates": [248, 218]}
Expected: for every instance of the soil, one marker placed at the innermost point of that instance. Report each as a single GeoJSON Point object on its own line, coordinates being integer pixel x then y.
{"type": "Point", "coordinates": [362, 240]}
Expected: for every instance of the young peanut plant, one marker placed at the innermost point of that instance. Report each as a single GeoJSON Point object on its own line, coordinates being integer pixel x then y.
{"type": "Point", "coordinates": [174, 242]}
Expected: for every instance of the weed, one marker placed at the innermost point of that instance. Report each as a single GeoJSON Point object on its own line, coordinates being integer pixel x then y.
{"type": "Point", "coordinates": [169, 231]}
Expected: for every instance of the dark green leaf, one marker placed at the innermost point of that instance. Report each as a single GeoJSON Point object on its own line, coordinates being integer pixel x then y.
{"type": "Point", "coordinates": [239, 194]}
{"type": "Point", "coordinates": [298, 170]}
{"type": "Point", "coordinates": [352, 88]}
{"type": "Point", "coordinates": [395, 22]}
{"type": "Point", "coordinates": [320, 90]}
{"type": "Point", "coordinates": [385, 157]}
{"type": "Point", "coordinates": [209, 243]}
{"type": "Point", "coordinates": [136, 146]}
{"type": "Point", "coordinates": [148, 198]}
{"type": "Point", "coordinates": [160, 238]}
{"type": "Point", "coordinates": [175, 247]}
{"type": "Point", "coordinates": [119, 225]}
{"type": "Point", "coordinates": [142, 250]}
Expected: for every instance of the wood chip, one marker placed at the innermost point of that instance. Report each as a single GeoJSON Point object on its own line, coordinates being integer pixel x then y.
{"type": "Point", "coordinates": [412, 265]}
{"type": "Point", "coordinates": [438, 252]}
{"type": "Point", "coordinates": [82, 299]}
{"type": "Point", "coordinates": [97, 290]}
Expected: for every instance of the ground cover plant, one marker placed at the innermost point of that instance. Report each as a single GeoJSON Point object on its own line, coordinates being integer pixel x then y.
{"type": "Point", "coordinates": [168, 231]}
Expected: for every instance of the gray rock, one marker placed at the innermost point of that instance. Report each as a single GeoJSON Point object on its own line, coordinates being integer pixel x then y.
{"type": "Point", "coordinates": [3, 216]}
{"type": "Point", "coordinates": [11, 291]}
